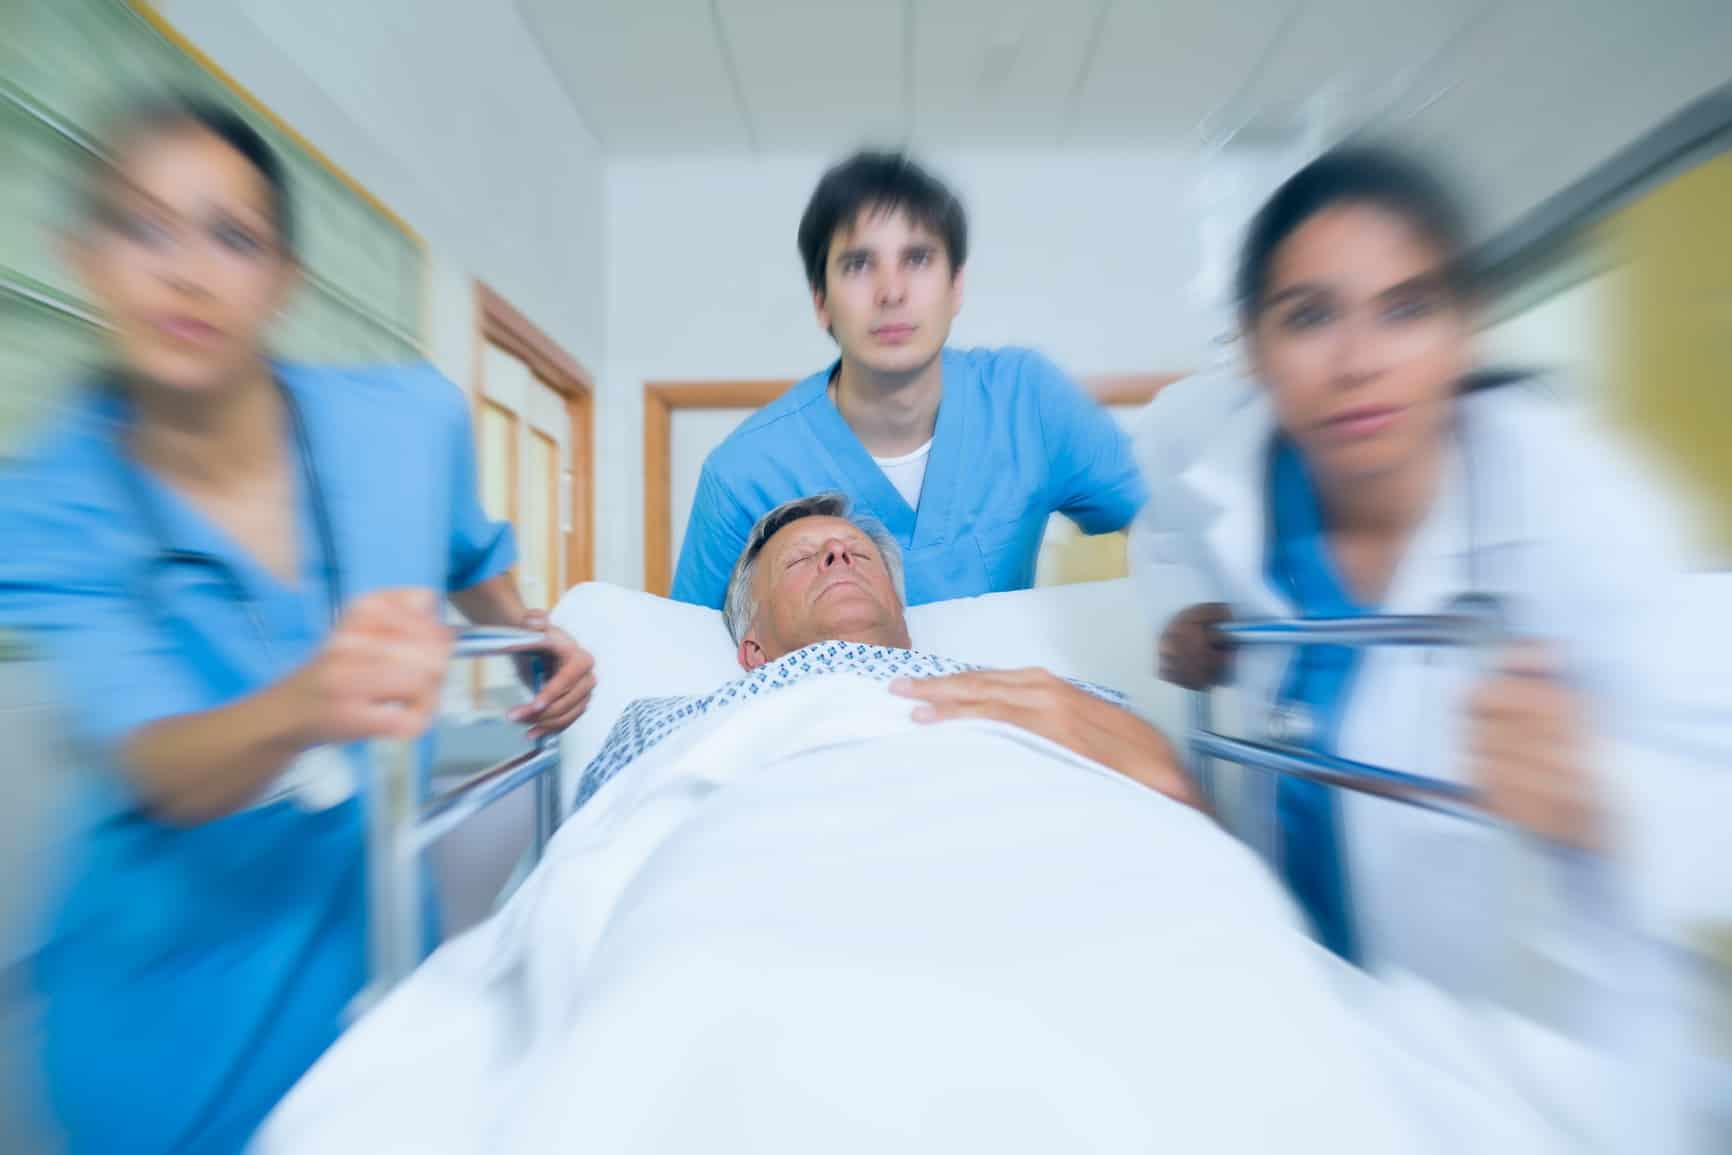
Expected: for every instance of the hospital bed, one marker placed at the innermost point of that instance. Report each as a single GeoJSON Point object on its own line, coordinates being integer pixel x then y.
{"type": "Point", "coordinates": [405, 818]}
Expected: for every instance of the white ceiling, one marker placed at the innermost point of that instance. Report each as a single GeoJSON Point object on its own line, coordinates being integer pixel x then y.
{"type": "Point", "coordinates": [683, 76]}
{"type": "Point", "coordinates": [1525, 94]}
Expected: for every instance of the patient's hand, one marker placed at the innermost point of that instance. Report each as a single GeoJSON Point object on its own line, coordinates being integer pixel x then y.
{"type": "Point", "coordinates": [1045, 704]}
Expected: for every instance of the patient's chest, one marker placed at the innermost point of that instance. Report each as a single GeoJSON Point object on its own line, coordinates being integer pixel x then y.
{"type": "Point", "coordinates": [648, 722]}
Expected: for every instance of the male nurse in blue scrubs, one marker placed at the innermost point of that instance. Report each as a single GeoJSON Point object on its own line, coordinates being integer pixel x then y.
{"type": "Point", "coordinates": [961, 454]}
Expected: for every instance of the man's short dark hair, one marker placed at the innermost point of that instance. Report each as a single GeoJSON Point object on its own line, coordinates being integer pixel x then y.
{"type": "Point", "coordinates": [882, 182]}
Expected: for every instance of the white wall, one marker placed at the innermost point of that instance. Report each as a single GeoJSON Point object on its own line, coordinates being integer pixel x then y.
{"type": "Point", "coordinates": [1565, 334]}
{"type": "Point", "coordinates": [1091, 258]}
{"type": "Point", "coordinates": [446, 112]}
{"type": "Point", "coordinates": [692, 433]}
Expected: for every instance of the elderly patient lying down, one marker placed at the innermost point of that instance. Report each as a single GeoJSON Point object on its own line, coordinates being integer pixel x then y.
{"type": "Point", "coordinates": [816, 593]}
{"type": "Point", "coordinates": [789, 917]}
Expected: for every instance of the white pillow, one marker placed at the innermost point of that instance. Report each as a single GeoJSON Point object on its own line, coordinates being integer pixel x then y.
{"type": "Point", "coordinates": [1091, 630]}
{"type": "Point", "coordinates": [647, 646]}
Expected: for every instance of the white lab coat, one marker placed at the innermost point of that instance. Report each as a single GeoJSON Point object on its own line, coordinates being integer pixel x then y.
{"type": "Point", "coordinates": [1540, 508]}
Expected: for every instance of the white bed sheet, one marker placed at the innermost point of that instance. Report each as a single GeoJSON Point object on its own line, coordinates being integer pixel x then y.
{"type": "Point", "coordinates": [647, 646]}
{"type": "Point", "coordinates": [808, 924]}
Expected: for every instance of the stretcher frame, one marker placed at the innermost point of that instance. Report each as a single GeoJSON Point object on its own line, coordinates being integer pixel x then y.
{"type": "Point", "coordinates": [402, 822]}
{"type": "Point", "coordinates": [1476, 630]}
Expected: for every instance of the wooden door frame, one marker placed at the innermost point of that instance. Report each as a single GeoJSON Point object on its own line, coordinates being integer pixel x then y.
{"type": "Point", "coordinates": [498, 322]}
{"type": "Point", "coordinates": [659, 402]}
{"type": "Point", "coordinates": [662, 398]}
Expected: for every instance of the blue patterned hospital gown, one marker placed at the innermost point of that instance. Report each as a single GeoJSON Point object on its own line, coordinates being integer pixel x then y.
{"type": "Point", "coordinates": [648, 721]}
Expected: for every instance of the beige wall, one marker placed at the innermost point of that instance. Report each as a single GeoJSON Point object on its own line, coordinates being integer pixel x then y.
{"type": "Point", "coordinates": [1672, 346]}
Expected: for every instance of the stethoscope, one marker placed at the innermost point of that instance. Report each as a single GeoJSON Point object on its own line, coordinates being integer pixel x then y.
{"type": "Point", "coordinates": [320, 777]}
{"type": "Point", "coordinates": [1293, 722]}
{"type": "Point", "coordinates": [167, 558]}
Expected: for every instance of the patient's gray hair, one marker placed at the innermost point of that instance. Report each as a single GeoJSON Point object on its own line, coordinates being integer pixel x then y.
{"type": "Point", "coordinates": [740, 608]}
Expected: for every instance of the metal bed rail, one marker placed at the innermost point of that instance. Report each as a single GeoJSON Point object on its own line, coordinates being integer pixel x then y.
{"type": "Point", "coordinates": [1645, 991]}
{"type": "Point", "coordinates": [1472, 628]}
{"type": "Point", "coordinates": [1457, 629]}
{"type": "Point", "coordinates": [402, 822]}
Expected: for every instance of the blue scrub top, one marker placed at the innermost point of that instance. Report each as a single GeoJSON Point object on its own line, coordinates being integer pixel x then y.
{"type": "Point", "coordinates": [1318, 680]}
{"type": "Point", "coordinates": [1015, 442]}
{"type": "Point", "coordinates": [191, 974]}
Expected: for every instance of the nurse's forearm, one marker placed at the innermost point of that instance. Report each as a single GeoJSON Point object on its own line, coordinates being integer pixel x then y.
{"type": "Point", "coordinates": [378, 675]}
{"type": "Point", "coordinates": [200, 767]}
{"type": "Point", "coordinates": [494, 602]}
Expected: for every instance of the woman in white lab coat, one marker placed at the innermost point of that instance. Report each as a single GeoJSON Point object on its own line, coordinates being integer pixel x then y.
{"type": "Point", "coordinates": [1371, 466]}
{"type": "Point", "coordinates": [1380, 471]}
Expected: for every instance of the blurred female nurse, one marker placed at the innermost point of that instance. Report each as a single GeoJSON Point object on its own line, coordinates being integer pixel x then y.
{"type": "Point", "coordinates": [234, 568]}
{"type": "Point", "coordinates": [1380, 471]}
{"type": "Point", "coordinates": [1373, 468]}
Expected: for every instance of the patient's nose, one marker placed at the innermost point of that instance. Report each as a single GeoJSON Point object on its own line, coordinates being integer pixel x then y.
{"type": "Point", "coordinates": [836, 553]}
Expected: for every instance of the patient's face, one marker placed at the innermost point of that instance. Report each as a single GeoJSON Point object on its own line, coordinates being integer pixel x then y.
{"type": "Point", "coordinates": [820, 579]}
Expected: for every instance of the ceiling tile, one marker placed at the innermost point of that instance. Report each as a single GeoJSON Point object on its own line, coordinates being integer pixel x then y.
{"type": "Point", "coordinates": [1357, 58]}
{"type": "Point", "coordinates": [1544, 91]}
{"type": "Point", "coordinates": [998, 72]}
{"type": "Point", "coordinates": [1164, 66]}
{"type": "Point", "coordinates": [1508, 89]}
{"type": "Point", "coordinates": [824, 74]}
{"type": "Point", "coordinates": [1631, 68]}
{"type": "Point", "coordinates": [646, 76]}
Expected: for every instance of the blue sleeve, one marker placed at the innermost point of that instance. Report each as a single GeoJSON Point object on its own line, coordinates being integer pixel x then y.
{"type": "Point", "coordinates": [716, 532]}
{"type": "Point", "coordinates": [1094, 476]}
{"type": "Point", "coordinates": [481, 548]}
{"type": "Point", "coordinates": [113, 667]}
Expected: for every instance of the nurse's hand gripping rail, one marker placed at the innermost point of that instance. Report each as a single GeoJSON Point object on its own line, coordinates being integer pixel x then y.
{"type": "Point", "coordinates": [1475, 628]}
{"type": "Point", "coordinates": [402, 822]}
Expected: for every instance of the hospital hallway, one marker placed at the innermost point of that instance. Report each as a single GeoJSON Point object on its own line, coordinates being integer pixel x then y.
{"type": "Point", "coordinates": [555, 316]}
